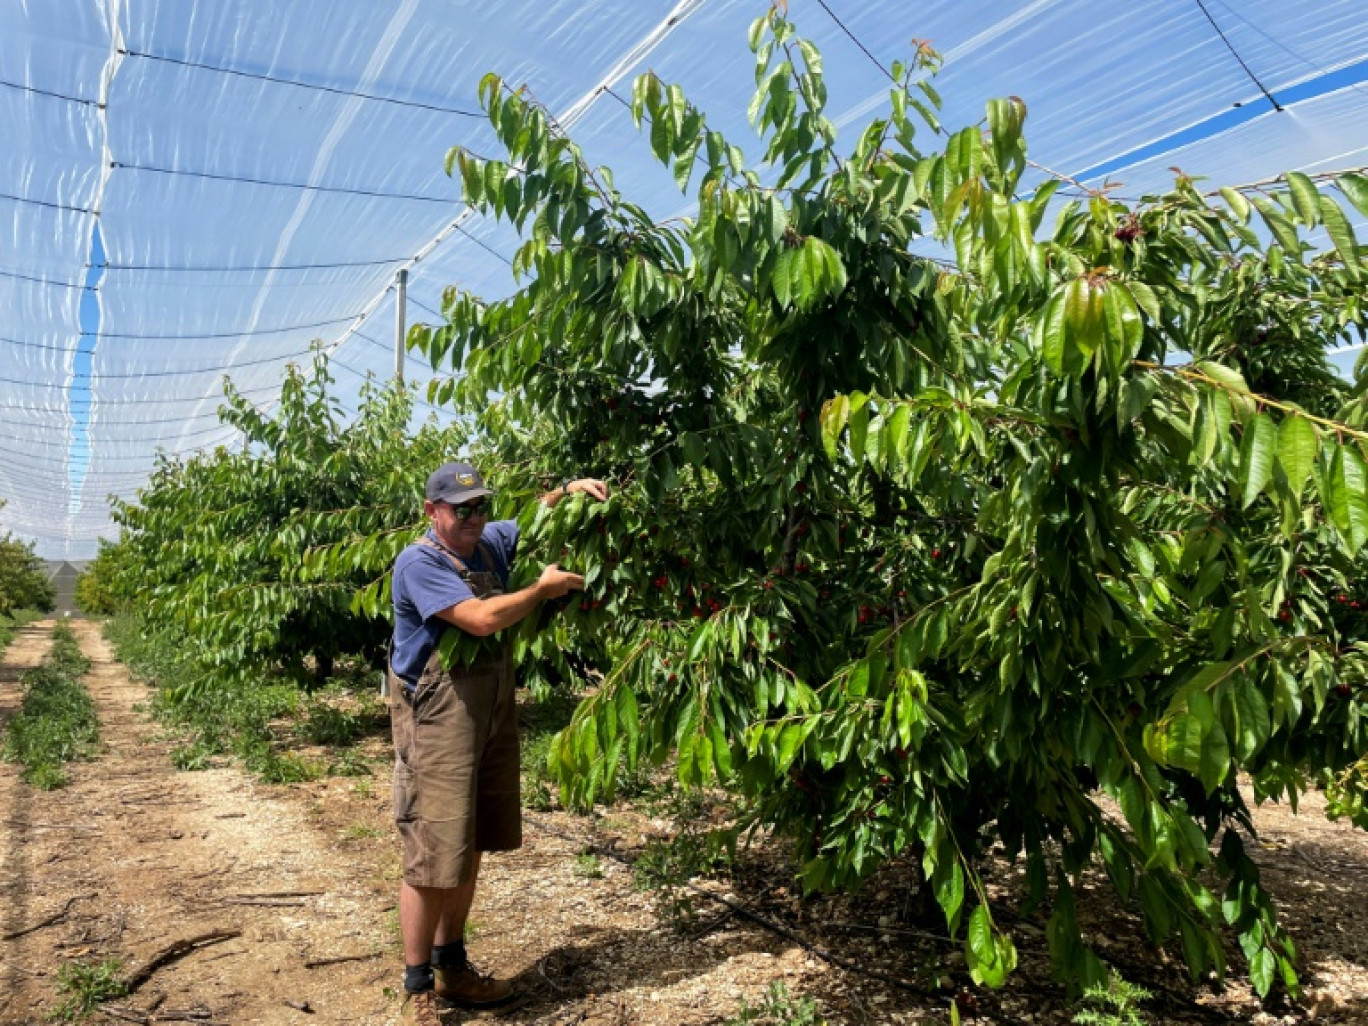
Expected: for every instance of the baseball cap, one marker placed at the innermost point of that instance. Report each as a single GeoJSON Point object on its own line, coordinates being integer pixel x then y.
{"type": "Point", "coordinates": [455, 483]}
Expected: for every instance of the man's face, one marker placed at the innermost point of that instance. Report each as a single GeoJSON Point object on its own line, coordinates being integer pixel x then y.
{"type": "Point", "coordinates": [458, 526]}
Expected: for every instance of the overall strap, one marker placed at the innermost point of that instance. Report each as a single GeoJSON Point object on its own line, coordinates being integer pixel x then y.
{"type": "Point", "coordinates": [486, 555]}
{"type": "Point", "coordinates": [428, 543]}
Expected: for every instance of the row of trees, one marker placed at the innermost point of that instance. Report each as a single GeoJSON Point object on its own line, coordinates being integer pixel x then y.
{"type": "Point", "coordinates": [24, 582]}
{"type": "Point", "coordinates": [212, 550]}
{"type": "Point", "coordinates": [950, 502]}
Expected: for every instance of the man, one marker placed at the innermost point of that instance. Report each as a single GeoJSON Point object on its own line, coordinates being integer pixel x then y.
{"type": "Point", "coordinates": [456, 781]}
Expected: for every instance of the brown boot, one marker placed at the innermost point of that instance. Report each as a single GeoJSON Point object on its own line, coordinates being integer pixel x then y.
{"type": "Point", "coordinates": [466, 986]}
{"type": "Point", "coordinates": [420, 1009]}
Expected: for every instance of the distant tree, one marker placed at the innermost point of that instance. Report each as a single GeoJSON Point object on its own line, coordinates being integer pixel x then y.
{"type": "Point", "coordinates": [23, 580]}
{"type": "Point", "coordinates": [97, 591]}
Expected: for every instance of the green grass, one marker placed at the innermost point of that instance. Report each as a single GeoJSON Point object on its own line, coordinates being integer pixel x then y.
{"type": "Point", "coordinates": [11, 622]}
{"type": "Point", "coordinates": [255, 720]}
{"type": "Point", "coordinates": [778, 1009]}
{"type": "Point", "coordinates": [83, 986]}
{"type": "Point", "coordinates": [588, 866]}
{"type": "Point", "coordinates": [1113, 1003]}
{"type": "Point", "coordinates": [56, 723]}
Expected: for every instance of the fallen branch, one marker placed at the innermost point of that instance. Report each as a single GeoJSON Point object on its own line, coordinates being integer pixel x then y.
{"type": "Point", "coordinates": [126, 1014]}
{"type": "Point", "coordinates": [318, 963]}
{"type": "Point", "coordinates": [263, 902]}
{"type": "Point", "coordinates": [51, 920]}
{"type": "Point", "coordinates": [174, 952]}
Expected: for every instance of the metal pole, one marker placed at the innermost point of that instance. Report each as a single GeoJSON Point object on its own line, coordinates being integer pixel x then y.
{"type": "Point", "coordinates": [401, 300]}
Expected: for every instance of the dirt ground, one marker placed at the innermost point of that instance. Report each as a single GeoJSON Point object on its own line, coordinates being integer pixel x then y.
{"type": "Point", "coordinates": [239, 902]}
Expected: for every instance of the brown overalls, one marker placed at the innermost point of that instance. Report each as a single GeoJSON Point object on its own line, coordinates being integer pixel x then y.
{"type": "Point", "coordinates": [456, 766]}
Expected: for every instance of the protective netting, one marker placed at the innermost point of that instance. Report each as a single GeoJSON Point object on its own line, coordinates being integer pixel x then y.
{"type": "Point", "coordinates": [192, 189]}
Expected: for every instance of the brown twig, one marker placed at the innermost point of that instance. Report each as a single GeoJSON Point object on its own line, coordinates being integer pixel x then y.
{"type": "Point", "coordinates": [263, 902]}
{"type": "Point", "coordinates": [174, 952]}
{"type": "Point", "coordinates": [320, 962]}
{"type": "Point", "coordinates": [56, 917]}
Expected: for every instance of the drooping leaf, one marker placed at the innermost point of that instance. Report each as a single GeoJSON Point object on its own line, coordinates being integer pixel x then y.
{"type": "Point", "coordinates": [1298, 448]}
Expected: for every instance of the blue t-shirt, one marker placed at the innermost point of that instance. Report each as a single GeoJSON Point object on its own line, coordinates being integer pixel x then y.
{"type": "Point", "coordinates": [425, 582]}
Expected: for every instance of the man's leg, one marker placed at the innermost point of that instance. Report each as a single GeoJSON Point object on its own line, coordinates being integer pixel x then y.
{"type": "Point", "coordinates": [420, 912]}
{"type": "Point", "coordinates": [451, 924]}
{"type": "Point", "coordinates": [455, 979]}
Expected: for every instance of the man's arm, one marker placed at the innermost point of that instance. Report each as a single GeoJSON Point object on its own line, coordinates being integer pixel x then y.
{"type": "Point", "coordinates": [588, 485]}
{"type": "Point", "coordinates": [483, 617]}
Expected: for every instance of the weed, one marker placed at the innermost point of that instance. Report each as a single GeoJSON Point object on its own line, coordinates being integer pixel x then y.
{"type": "Point", "coordinates": [778, 1009]}
{"type": "Point", "coordinates": [689, 854]}
{"type": "Point", "coordinates": [1115, 1003]}
{"type": "Point", "coordinates": [326, 724]}
{"type": "Point", "coordinates": [84, 985]}
{"type": "Point", "coordinates": [56, 723]}
{"type": "Point", "coordinates": [197, 755]}
{"type": "Point", "coordinates": [363, 787]}
{"type": "Point", "coordinates": [349, 764]}
{"type": "Point", "coordinates": [587, 865]}
{"type": "Point", "coordinates": [362, 831]}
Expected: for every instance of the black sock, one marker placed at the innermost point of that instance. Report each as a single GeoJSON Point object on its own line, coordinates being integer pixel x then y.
{"type": "Point", "coordinates": [417, 978]}
{"type": "Point", "coordinates": [449, 956]}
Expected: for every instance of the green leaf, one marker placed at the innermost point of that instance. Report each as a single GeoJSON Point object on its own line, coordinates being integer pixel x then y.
{"type": "Point", "coordinates": [1054, 342]}
{"type": "Point", "coordinates": [835, 413]}
{"type": "Point", "coordinates": [1237, 203]}
{"type": "Point", "coordinates": [1283, 230]}
{"type": "Point", "coordinates": [1257, 453]}
{"type": "Point", "coordinates": [1342, 490]}
{"type": "Point", "coordinates": [948, 884]}
{"type": "Point", "coordinates": [1305, 198]}
{"type": "Point", "coordinates": [1261, 968]}
{"type": "Point", "coordinates": [1253, 722]}
{"type": "Point", "coordinates": [790, 741]}
{"type": "Point", "coordinates": [1355, 189]}
{"type": "Point", "coordinates": [1298, 448]}
{"type": "Point", "coordinates": [1125, 329]}
{"type": "Point", "coordinates": [1085, 315]}
{"type": "Point", "coordinates": [1341, 234]}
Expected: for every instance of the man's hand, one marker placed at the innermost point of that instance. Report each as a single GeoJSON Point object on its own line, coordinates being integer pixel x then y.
{"type": "Point", "coordinates": [555, 582]}
{"type": "Point", "coordinates": [482, 617]}
{"type": "Point", "coordinates": [589, 486]}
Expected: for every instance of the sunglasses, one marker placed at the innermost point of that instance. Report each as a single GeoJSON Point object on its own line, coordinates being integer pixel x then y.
{"type": "Point", "coordinates": [478, 508]}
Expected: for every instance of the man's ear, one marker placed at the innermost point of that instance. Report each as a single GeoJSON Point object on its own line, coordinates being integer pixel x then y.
{"type": "Point", "coordinates": [429, 508]}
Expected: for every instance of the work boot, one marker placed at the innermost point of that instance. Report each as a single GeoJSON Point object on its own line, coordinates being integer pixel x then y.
{"type": "Point", "coordinates": [420, 1009]}
{"type": "Point", "coordinates": [466, 986]}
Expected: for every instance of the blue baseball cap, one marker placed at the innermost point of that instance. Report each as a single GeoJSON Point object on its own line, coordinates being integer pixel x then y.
{"type": "Point", "coordinates": [455, 483]}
